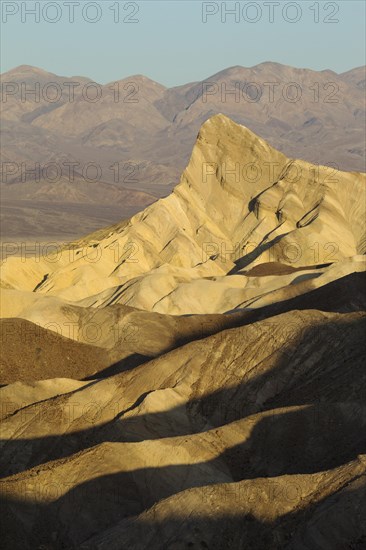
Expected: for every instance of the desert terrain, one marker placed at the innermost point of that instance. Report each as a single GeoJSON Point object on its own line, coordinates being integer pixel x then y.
{"type": "Point", "coordinates": [78, 155]}
{"type": "Point", "coordinates": [192, 376]}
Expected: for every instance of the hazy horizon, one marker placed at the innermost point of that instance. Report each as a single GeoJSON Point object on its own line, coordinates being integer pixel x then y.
{"type": "Point", "coordinates": [202, 38]}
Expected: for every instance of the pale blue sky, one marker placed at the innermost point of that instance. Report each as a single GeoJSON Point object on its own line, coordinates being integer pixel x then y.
{"type": "Point", "coordinates": [171, 44]}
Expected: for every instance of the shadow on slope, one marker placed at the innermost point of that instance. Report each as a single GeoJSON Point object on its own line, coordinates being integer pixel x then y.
{"type": "Point", "coordinates": [323, 369]}
{"type": "Point", "coordinates": [334, 521]}
{"type": "Point", "coordinates": [327, 432]}
{"type": "Point", "coordinates": [218, 517]}
{"type": "Point", "coordinates": [30, 352]}
{"type": "Point", "coordinates": [347, 294]}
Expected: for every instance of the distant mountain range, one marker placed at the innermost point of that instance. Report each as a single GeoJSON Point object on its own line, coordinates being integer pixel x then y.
{"type": "Point", "coordinates": [140, 135]}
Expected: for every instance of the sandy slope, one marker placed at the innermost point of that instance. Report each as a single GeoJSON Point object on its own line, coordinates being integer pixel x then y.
{"type": "Point", "coordinates": [31, 352]}
{"type": "Point", "coordinates": [220, 410]}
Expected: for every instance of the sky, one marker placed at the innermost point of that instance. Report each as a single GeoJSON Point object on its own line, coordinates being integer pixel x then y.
{"type": "Point", "coordinates": [179, 41]}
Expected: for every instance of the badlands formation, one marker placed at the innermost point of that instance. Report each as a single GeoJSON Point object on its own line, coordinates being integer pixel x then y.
{"type": "Point", "coordinates": [194, 377]}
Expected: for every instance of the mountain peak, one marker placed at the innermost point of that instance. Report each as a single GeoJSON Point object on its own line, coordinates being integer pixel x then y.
{"type": "Point", "coordinates": [142, 80]}
{"type": "Point", "coordinates": [222, 123]}
{"type": "Point", "coordinates": [221, 131]}
{"type": "Point", "coordinates": [27, 70]}
{"type": "Point", "coordinates": [228, 166]}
